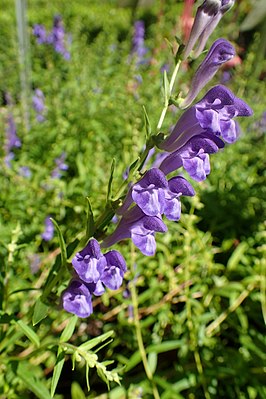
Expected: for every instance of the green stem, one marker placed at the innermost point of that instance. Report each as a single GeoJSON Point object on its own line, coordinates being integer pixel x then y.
{"type": "Point", "coordinates": [134, 296]}
{"type": "Point", "coordinates": [171, 85]}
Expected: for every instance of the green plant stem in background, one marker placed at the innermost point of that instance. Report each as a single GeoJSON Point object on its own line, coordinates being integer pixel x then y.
{"type": "Point", "coordinates": [24, 59]}
{"type": "Point", "coordinates": [134, 296]}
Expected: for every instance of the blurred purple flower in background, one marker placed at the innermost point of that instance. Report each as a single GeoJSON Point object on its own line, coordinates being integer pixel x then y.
{"type": "Point", "coordinates": [48, 233]}
{"type": "Point", "coordinates": [40, 32]}
{"type": "Point", "coordinates": [138, 46]}
{"type": "Point", "coordinates": [25, 171]}
{"type": "Point", "coordinates": [57, 37]}
{"type": "Point", "coordinates": [11, 139]}
{"type": "Point", "coordinates": [38, 105]}
{"type": "Point", "coordinates": [60, 166]}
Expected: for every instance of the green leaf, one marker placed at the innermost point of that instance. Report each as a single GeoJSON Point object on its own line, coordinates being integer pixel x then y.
{"type": "Point", "coordinates": [87, 376]}
{"type": "Point", "coordinates": [90, 220]}
{"type": "Point", "coordinates": [152, 361]}
{"type": "Point", "coordinates": [147, 124]}
{"type": "Point", "coordinates": [110, 182]}
{"type": "Point", "coordinates": [57, 369]}
{"type": "Point", "coordinates": [255, 16]}
{"type": "Point", "coordinates": [69, 329]}
{"type": "Point", "coordinates": [237, 255]}
{"type": "Point", "coordinates": [77, 391]}
{"type": "Point", "coordinates": [32, 383]}
{"type": "Point", "coordinates": [61, 242]}
{"type": "Point", "coordinates": [33, 337]}
{"type": "Point", "coordinates": [40, 311]}
{"type": "Point", "coordinates": [96, 341]}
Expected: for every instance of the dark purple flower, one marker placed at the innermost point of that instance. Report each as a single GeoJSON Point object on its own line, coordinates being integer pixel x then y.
{"type": "Point", "coordinates": [77, 299]}
{"type": "Point", "coordinates": [113, 274]}
{"type": "Point", "coordinates": [40, 32]}
{"type": "Point", "coordinates": [207, 17]}
{"type": "Point", "coordinates": [90, 262]}
{"type": "Point", "coordinates": [213, 114]}
{"type": "Point", "coordinates": [220, 52]}
{"type": "Point", "coordinates": [193, 156]}
{"type": "Point", "coordinates": [48, 233]}
{"type": "Point", "coordinates": [140, 228]}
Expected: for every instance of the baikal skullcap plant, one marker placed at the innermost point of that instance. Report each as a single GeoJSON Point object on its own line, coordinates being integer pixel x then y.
{"type": "Point", "coordinates": [150, 195]}
{"type": "Point", "coordinates": [144, 203]}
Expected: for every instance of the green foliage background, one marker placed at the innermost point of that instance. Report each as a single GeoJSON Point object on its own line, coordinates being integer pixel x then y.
{"type": "Point", "coordinates": [201, 299]}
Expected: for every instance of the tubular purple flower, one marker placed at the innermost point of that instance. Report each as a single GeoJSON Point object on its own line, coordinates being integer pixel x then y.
{"type": "Point", "coordinates": [140, 228]}
{"type": "Point", "coordinates": [202, 40]}
{"type": "Point", "coordinates": [206, 12]}
{"type": "Point", "coordinates": [90, 262]}
{"type": "Point", "coordinates": [77, 299]}
{"type": "Point", "coordinates": [220, 52]}
{"type": "Point", "coordinates": [177, 186]}
{"type": "Point", "coordinates": [113, 274]}
{"type": "Point", "coordinates": [38, 104]}
{"type": "Point", "coordinates": [193, 156]}
{"type": "Point", "coordinates": [213, 114]}
{"type": "Point", "coordinates": [40, 33]}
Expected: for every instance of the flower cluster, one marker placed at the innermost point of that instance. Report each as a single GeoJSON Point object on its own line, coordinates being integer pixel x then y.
{"type": "Point", "coordinates": [93, 271]}
{"type": "Point", "coordinates": [12, 140]}
{"type": "Point", "coordinates": [56, 37]}
{"type": "Point", "coordinates": [48, 233]}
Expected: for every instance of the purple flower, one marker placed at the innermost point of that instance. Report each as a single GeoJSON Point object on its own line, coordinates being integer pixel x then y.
{"type": "Point", "coordinates": [113, 274]}
{"type": "Point", "coordinates": [207, 17]}
{"type": "Point", "coordinates": [40, 32]}
{"type": "Point", "coordinates": [77, 299]}
{"type": "Point", "coordinates": [193, 156]}
{"type": "Point", "coordinates": [48, 233]}
{"type": "Point", "coordinates": [213, 114]}
{"type": "Point", "coordinates": [140, 228]}
{"type": "Point", "coordinates": [202, 40]}
{"type": "Point", "coordinates": [25, 171]}
{"type": "Point", "coordinates": [220, 52]}
{"type": "Point", "coordinates": [12, 140]}
{"type": "Point", "coordinates": [177, 186]}
{"type": "Point", "coordinates": [60, 166]}
{"type": "Point", "coordinates": [38, 104]}
{"type": "Point", "coordinates": [138, 47]}
{"type": "Point", "coordinates": [90, 262]}
{"type": "Point", "coordinates": [57, 37]}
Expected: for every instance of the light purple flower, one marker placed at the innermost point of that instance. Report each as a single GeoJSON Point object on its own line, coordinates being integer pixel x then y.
{"type": "Point", "coordinates": [213, 114]}
{"type": "Point", "coordinates": [193, 156]}
{"type": "Point", "coordinates": [12, 140]}
{"type": "Point", "coordinates": [113, 274]}
{"type": "Point", "coordinates": [40, 32]}
{"type": "Point", "coordinates": [177, 186]}
{"type": "Point", "coordinates": [57, 37]}
{"type": "Point", "coordinates": [48, 233]}
{"type": "Point", "coordinates": [38, 105]}
{"type": "Point", "coordinates": [90, 262]}
{"type": "Point", "coordinates": [60, 166]}
{"type": "Point", "coordinates": [25, 171]}
{"type": "Point", "coordinates": [138, 47]}
{"type": "Point", "coordinates": [207, 17]}
{"type": "Point", "coordinates": [77, 299]}
{"type": "Point", "coordinates": [220, 52]}
{"type": "Point", "coordinates": [140, 228]}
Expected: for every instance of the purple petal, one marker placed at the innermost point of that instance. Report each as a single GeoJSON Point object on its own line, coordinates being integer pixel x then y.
{"type": "Point", "coordinates": [76, 299]}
